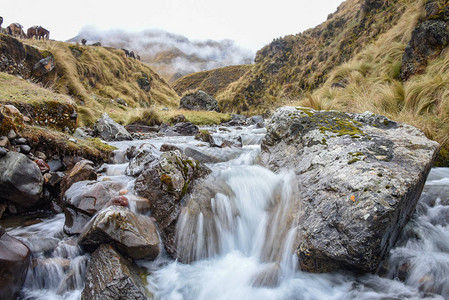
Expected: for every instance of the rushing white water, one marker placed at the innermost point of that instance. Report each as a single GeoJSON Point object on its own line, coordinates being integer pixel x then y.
{"type": "Point", "coordinates": [238, 234]}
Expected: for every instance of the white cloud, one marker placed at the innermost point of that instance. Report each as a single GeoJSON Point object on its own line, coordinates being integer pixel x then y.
{"type": "Point", "coordinates": [251, 23]}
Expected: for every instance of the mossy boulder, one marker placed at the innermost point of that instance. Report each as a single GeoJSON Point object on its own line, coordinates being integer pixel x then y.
{"type": "Point", "coordinates": [199, 100]}
{"type": "Point", "coordinates": [165, 181]}
{"type": "Point", "coordinates": [131, 234]}
{"type": "Point", "coordinates": [111, 276]}
{"type": "Point", "coordinates": [359, 177]}
{"type": "Point", "coordinates": [21, 180]}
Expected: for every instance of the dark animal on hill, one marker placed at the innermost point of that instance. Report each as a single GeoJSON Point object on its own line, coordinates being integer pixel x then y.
{"type": "Point", "coordinates": [32, 32]}
{"type": "Point", "coordinates": [126, 52]}
{"type": "Point", "coordinates": [138, 57]}
{"type": "Point", "coordinates": [43, 33]}
{"type": "Point", "coordinates": [1, 21]}
{"type": "Point", "coordinates": [38, 32]}
{"type": "Point", "coordinates": [83, 41]}
{"type": "Point", "coordinates": [132, 55]}
{"type": "Point", "coordinates": [15, 29]}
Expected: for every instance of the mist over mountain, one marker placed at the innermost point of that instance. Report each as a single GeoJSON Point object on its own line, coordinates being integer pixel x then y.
{"type": "Point", "coordinates": [171, 55]}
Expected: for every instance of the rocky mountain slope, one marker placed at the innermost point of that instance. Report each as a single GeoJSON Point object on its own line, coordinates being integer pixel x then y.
{"type": "Point", "coordinates": [171, 55]}
{"type": "Point", "coordinates": [292, 65]}
{"type": "Point", "coordinates": [99, 79]}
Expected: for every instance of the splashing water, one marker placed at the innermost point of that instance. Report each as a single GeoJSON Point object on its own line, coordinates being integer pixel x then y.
{"type": "Point", "coordinates": [236, 238]}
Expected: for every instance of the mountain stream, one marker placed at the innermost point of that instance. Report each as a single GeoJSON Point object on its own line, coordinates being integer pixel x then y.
{"type": "Point", "coordinates": [245, 248]}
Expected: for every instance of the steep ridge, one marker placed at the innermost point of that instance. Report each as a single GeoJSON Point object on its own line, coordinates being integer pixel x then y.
{"type": "Point", "coordinates": [374, 79]}
{"type": "Point", "coordinates": [290, 66]}
{"type": "Point", "coordinates": [99, 79]}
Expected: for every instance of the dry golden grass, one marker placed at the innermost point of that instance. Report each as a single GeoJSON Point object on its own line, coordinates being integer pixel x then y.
{"type": "Point", "coordinates": [212, 81]}
{"type": "Point", "coordinates": [196, 117]}
{"type": "Point", "coordinates": [14, 89]}
{"type": "Point", "coordinates": [94, 76]}
{"type": "Point", "coordinates": [371, 83]}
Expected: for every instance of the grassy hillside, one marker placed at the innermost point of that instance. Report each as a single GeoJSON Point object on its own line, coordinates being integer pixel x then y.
{"type": "Point", "coordinates": [295, 64]}
{"type": "Point", "coordinates": [212, 82]}
{"type": "Point", "coordinates": [371, 82]}
{"type": "Point", "coordinates": [97, 76]}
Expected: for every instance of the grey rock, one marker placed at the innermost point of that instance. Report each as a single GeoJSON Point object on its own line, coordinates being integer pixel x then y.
{"type": "Point", "coordinates": [165, 182]}
{"type": "Point", "coordinates": [144, 82]}
{"type": "Point", "coordinates": [44, 66]}
{"type": "Point", "coordinates": [359, 178]}
{"type": "Point", "coordinates": [21, 179]}
{"type": "Point", "coordinates": [3, 152]}
{"type": "Point", "coordinates": [11, 135]}
{"type": "Point", "coordinates": [142, 157]}
{"type": "Point", "coordinates": [4, 142]}
{"type": "Point", "coordinates": [180, 129]}
{"type": "Point", "coordinates": [198, 101]}
{"type": "Point", "coordinates": [14, 263]}
{"type": "Point", "coordinates": [428, 39]}
{"type": "Point", "coordinates": [85, 198]}
{"type": "Point", "coordinates": [109, 130]}
{"type": "Point", "coordinates": [132, 235]}
{"type": "Point", "coordinates": [110, 276]}
{"type": "Point", "coordinates": [25, 149]}
{"type": "Point", "coordinates": [56, 165]}
{"type": "Point", "coordinates": [20, 141]}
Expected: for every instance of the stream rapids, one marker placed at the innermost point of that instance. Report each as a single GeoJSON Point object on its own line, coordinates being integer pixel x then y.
{"type": "Point", "coordinates": [245, 248]}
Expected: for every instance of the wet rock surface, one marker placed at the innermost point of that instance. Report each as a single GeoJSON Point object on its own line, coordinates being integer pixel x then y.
{"type": "Point", "coordinates": [164, 182]}
{"type": "Point", "coordinates": [84, 199]}
{"type": "Point", "coordinates": [111, 276]}
{"type": "Point", "coordinates": [21, 179]}
{"type": "Point", "coordinates": [180, 129]}
{"type": "Point", "coordinates": [132, 235]}
{"type": "Point", "coordinates": [109, 130]}
{"type": "Point", "coordinates": [14, 263]}
{"type": "Point", "coordinates": [359, 179]}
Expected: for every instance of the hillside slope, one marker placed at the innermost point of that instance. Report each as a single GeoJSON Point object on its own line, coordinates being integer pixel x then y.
{"type": "Point", "coordinates": [171, 55]}
{"type": "Point", "coordinates": [374, 79]}
{"type": "Point", "coordinates": [212, 81]}
{"type": "Point", "coordinates": [290, 66]}
{"type": "Point", "coordinates": [101, 79]}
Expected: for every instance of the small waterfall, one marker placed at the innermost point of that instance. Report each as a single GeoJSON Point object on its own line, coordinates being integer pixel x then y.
{"type": "Point", "coordinates": [57, 263]}
{"type": "Point", "coordinates": [246, 209]}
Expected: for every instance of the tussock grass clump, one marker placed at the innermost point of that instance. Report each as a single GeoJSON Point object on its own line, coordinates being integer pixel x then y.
{"type": "Point", "coordinates": [369, 82]}
{"type": "Point", "coordinates": [197, 117]}
{"type": "Point", "coordinates": [148, 116]}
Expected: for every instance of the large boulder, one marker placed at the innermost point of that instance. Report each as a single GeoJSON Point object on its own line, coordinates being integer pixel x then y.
{"type": "Point", "coordinates": [109, 130]}
{"type": "Point", "coordinates": [359, 177]}
{"type": "Point", "coordinates": [428, 39]}
{"type": "Point", "coordinates": [21, 179]}
{"type": "Point", "coordinates": [198, 101]}
{"type": "Point", "coordinates": [180, 129]}
{"type": "Point", "coordinates": [111, 276]}
{"type": "Point", "coordinates": [141, 158]}
{"type": "Point", "coordinates": [84, 199]}
{"type": "Point", "coordinates": [131, 234]}
{"type": "Point", "coordinates": [14, 262]}
{"type": "Point", "coordinates": [164, 182]}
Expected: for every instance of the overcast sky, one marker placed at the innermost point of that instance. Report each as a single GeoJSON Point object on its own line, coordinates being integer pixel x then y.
{"type": "Point", "coordinates": [251, 23]}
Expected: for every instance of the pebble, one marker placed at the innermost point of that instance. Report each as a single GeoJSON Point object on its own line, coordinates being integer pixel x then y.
{"type": "Point", "coordinates": [12, 134]}
{"type": "Point", "coordinates": [25, 149]}
{"type": "Point", "coordinates": [3, 152]}
{"type": "Point", "coordinates": [20, 141]}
